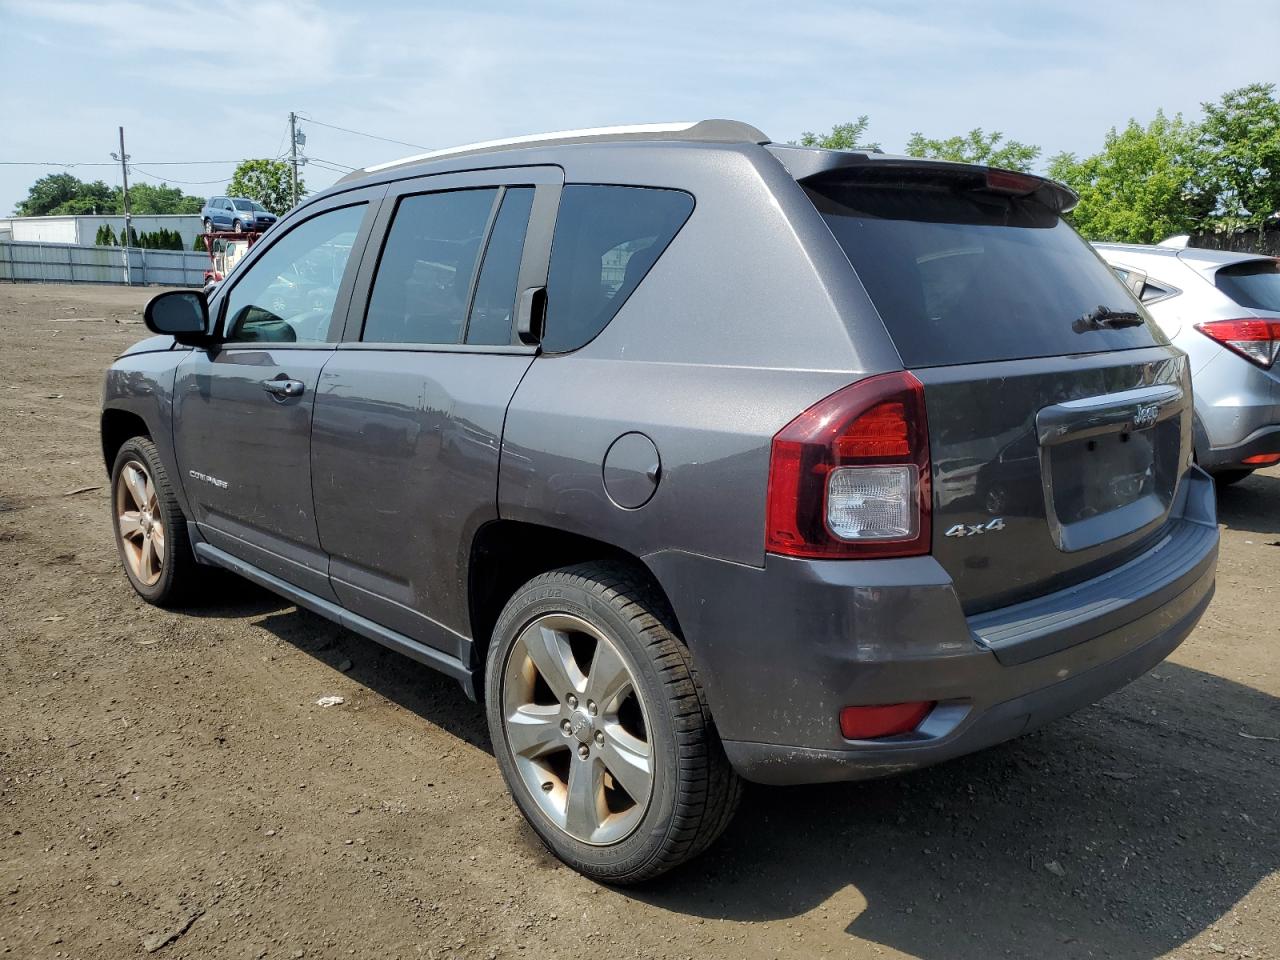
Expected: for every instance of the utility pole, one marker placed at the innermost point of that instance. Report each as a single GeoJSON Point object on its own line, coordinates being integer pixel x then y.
{"type": "Point", "coordinates": [124, 176]}
{"type": "Point", "coordinates": [293, 152]}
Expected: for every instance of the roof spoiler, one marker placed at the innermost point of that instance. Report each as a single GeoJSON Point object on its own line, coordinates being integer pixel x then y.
{"type": "Point", "coordinates": [809, 165]}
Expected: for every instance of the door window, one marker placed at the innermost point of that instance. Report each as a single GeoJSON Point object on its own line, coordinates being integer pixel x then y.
{"type": "Point", "coordinates": [606, 239]}
{"type": "Point", "coordinates": [287, 295]}
{"type": "Point", "coordinates": [423, 285]}
{"type": "Point", "coordinates": [493, 306]}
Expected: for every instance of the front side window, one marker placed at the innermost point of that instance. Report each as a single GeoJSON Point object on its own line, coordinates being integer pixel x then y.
{"type": "Point", "coordinates": [606, 239]}
{"type": "Point", "coordinates": [423, 284]}
{"type": "Point", "coordinates": [288, 294]}
{"type": "Point", "coordinates": [249, 205]}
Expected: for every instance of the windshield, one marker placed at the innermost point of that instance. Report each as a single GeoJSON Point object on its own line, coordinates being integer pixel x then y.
{"type": "Point", "coordinates": [965, 276]}
{"type": "Point", "coordinates": [249, 205]}
{"type": "Point", "coordinates": [1254, 284]}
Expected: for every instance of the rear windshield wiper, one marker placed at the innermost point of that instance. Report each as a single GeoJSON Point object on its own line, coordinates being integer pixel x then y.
{"type": "Point", "coordinates": [1104, 318]}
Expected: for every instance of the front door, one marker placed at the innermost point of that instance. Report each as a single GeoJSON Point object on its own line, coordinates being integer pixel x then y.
{"type": "Point", "coordinates": [242, 410]}
{"type": "Point", "coordinates": [409, 412]}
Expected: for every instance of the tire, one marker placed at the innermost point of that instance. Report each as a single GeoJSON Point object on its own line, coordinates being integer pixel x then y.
{"type": "Point", "coordinates": [1225, 478]}
{"type": "Point", "coordinates": [594, 614]}
{"type": "Point", "coordinates": [208, 226]}
{"type": "Point", "coordinates": [236, 226]}
{"type": "Point", "coordinates": [167, 576]}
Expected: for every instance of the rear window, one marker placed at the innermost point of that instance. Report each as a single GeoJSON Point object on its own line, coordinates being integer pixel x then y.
{"type": "Point", "coordinates": [1254, 284]}
{"type": "Point", "coordinates": [605, 241]}
{"type": "Point", "coordinates": [965, 276]}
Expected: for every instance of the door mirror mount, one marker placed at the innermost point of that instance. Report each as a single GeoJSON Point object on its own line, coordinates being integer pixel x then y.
{"type": "Point", "coordinates": [181, 314]}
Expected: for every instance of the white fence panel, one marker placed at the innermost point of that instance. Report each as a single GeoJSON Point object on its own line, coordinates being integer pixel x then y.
{"type": "Point", "coordinates": [69, 263]}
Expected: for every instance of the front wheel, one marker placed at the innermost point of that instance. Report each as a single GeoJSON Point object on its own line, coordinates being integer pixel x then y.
{"type": "Point", "coordinates": [600, 727]}
{"type": "Point", "coordinates": [236, 226]}
{"type": "Point", "coordinates": [150, 527]}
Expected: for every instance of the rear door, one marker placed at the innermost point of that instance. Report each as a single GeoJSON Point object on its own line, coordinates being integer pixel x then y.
{"type": "Point", "coordinates": [409, 414]}
{"type": "Point", "coordinates": [1057, 443]}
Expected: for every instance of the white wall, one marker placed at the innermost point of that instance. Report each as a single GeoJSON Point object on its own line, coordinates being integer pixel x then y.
{"type": "Point", "coordinates": [83, 230]}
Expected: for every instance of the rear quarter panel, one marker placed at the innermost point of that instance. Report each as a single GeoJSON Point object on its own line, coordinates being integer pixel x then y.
{"type": "Point", "coordinates": [739, 327]}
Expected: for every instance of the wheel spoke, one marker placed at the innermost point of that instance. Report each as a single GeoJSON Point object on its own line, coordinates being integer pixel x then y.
{"type": "Point", "coordinates": [135, 481]}
{"type": "Point", "coordinates": [609, 676]}
{"type": "Point", "coordinates": [627, 758]}
{"type": "Point", "coordinates": [150, 492]}
{"type": "Point", "coordinates": [549, 650]}
{"type": "Point", "coordinates": [584, 803]}
{"type": "Point", "coordinates": [148, 556]}
{"type": "Point", "coordinates": [130, 524]}
{"type": "Point", "coordinates": [157, 544]}
{"type": "Point", "coordinates": [534, 729]}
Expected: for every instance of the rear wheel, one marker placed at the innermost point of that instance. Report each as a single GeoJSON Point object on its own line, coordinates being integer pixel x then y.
{"type": "Point", "coordinates": [600, 727]}
{"type": "Point", "coordinates": [1224, 478]}
{"type": "Point", "coordinates": [150, 528]}
{"type": "Point", "coordinates": [208, 226]}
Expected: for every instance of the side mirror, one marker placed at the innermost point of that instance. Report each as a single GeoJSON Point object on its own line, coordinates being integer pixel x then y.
{"type": "Point", "coordinates": [181, 314]}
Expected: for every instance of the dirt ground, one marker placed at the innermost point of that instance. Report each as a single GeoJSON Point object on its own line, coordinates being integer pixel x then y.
{"type": "Point", "coordinates": [169, 774]}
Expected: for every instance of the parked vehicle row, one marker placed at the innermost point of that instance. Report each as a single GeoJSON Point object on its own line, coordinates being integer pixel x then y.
{"type": "Point", "coordinates": [692, 456]}
{"type": "Point", "coordinates": [1223, 310]}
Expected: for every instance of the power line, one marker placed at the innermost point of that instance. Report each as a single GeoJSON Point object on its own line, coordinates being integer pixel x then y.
{"type": "Point", "coordinates": [164, 179]}
{"type": "Point", "coordinates": [361, 133]}
{"type": "Point", "coordinates": [95, 163]}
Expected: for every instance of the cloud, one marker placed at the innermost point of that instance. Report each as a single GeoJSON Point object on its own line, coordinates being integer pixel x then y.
{"type": "Point", "coordinates": [289, 44]}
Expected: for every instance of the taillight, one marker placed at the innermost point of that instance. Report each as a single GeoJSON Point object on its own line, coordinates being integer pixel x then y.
{"type": "Point", "coordinates": [1258, 341]}
{"type": "Point", "coordinates": [850, 477]}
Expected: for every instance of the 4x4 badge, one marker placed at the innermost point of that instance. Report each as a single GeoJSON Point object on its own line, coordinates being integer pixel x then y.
{"type": "Point", "coordinates": [973, 529]}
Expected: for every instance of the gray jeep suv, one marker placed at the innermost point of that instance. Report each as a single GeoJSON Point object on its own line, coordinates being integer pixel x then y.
{"type": "Point", "coordinates": [693, 456]}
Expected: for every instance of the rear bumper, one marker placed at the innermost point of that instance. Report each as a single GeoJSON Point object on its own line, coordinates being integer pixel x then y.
{"type": "Point", "coordinates": [1238, 412]}
{"type": "Point", "coordinates": [783, 649]}
{"type": "Point", "coordinates": [1263, 440]}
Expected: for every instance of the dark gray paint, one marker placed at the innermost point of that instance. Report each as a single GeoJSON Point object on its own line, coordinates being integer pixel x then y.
{"type": "Point", "coordinates": [751, 316]}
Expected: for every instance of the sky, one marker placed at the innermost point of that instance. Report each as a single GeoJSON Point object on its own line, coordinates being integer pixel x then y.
{"type": "Point", "coordinates": [216, 80]}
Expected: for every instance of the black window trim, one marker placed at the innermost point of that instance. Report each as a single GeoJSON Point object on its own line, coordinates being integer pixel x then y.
{"type": "Point", "coordinates": [371, 198]}
{"type": "Point", "coordinates": [546, 181]}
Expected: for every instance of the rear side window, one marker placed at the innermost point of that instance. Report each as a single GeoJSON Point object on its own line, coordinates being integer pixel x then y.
{"type": "Point", "coordinates": [423, 285]}
{"type": "Point", "coordinates": [1254, 284]}
{"type": "Point", "coordinates": [494, 304]}
{"type": "Point", "coordinates": [606, 239]}
{"type": "Point", "coordinates": [964, 276]}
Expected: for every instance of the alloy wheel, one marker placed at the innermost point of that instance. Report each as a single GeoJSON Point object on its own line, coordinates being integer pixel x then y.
{"type": "Point", "coordinates": [139, 522]}
{"type": "Point", "coordinates": [575, 724]}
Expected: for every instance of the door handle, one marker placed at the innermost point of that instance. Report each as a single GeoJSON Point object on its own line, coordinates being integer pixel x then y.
{"type": "Point", "coordinates": [284, 388]}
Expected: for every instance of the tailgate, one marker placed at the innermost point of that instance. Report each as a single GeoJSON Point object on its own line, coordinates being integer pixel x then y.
{"type": "Point", "coordinates": [1049, 473]}
{"type": "Point", "coordinates": [1059, 416]}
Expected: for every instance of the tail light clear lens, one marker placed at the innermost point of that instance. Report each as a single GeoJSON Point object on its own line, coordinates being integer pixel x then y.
{"type": "Point", "coordinates": [849, 477]}
{"type": "Point", "coordinates": [1258, 341]}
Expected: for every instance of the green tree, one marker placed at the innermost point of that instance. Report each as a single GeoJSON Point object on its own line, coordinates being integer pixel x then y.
{"type": "Point", "coordinates": [976, 146]}
{"type": "Point", "coordinates": [1146, 184]}
{"type": "Point", "coordinates": [147, 198]}
{"type": "Point", "coordinates": [62, 193]}
{"type": "Point", "coordinates": [843, 136]}
{"type": "Point", "coordinates": [1240, 138]}
{"type": "Point", "coordinates": [267, 181]}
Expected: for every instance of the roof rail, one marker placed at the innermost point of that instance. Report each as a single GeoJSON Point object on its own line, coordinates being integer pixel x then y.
{"type": "Point", "coordinates": [706, 131]}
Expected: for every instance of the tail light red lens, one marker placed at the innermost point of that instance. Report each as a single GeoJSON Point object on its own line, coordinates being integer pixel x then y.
{"type": "Point", "coordinates": [850, 476]}
{"type": "Point", "coordinates": [869, 723]}
{"type": "Point", "coordinates": [1262, 459]}
{"type": "Point", "coordinates": [1258, 341]}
